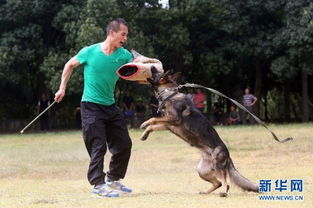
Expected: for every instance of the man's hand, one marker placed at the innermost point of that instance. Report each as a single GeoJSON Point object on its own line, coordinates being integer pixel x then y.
{"type": "Point", "coordinates": [59, 95]}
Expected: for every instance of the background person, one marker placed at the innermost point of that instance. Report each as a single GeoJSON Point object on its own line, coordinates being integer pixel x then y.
{"type": "Point", "coordinates": [103, 123]}
{"type": "Point", "coordinates": [218, 111]}
{"type": "Point", "coordinates": [78, 120]}
{"type": "Point", "coordinates": [248, 101]}
{"type": "Point", "coordinates": [190, 94]}
{"type": "Point", "coordinates": [43, 103]}
{"type": "Point", "coordinates": [128, 109]}
{"type": "Point", "coordinates": [233, 117]}
{"type": "Point", "coordinates": [153, 105]}
{"type": "Point", "coordinates": [199, 99]}
{"type": "Point", "coordinates": [140, 110]}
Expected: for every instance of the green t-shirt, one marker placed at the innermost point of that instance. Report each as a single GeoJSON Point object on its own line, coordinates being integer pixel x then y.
{"type": "Point", "coordinates": [100, 75]}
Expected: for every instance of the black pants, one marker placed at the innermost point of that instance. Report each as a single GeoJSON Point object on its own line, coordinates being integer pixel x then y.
{"type": "Point", "coordinates": [104, 126]}
{"type": "Point", "coordinates": [247, 117]}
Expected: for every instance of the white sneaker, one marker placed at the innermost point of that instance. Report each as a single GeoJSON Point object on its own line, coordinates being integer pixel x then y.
{"type": "Point", "coordinates": [104, 191]}
{"type": "Point", "coordinates": [117, 186]}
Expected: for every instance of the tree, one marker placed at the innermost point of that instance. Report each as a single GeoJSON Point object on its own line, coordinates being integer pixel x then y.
{"type": "Point", "coordinates": [229, 45]}
{"type": "Point", "coordinates": [296, 39]}
{"type": "Point", "coordinates": [25, 34]}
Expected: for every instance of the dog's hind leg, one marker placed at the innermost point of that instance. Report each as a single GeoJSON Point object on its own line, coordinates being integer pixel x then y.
{"type": "Point", "coordinates": [220, 158]}
{"type": "Point", "coordinates": [207, 173]}
{"type": "Point", "coordinates": [151, 128]}
{"type": "Point", "coordinates": [222, 175]}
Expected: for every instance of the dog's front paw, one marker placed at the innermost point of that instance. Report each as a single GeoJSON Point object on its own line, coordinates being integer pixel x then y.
{"type": "Point", "coordinates": [144, 137]}
{"type": "Point", "coordinates": [144, 125]}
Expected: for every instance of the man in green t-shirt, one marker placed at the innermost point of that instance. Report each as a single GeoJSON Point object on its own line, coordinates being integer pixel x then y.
{"type": "Point", "coordinates": [103, 123]}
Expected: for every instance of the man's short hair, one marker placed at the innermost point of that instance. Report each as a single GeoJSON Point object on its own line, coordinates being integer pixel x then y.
{"type": "Point", "coordinates": [115, 25]}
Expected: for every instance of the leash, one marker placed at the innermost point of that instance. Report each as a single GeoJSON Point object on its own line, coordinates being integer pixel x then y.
{"type": "Point", "coordinates": [191, 85]}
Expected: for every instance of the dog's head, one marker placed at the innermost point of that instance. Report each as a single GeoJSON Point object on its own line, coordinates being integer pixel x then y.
{"type": "Point", "coordinates": [161, 79]}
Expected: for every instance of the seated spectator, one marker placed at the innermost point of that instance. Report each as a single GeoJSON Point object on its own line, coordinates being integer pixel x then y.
{"type": "Point", "coordinates": [233, 117]}
{"type": "Point", "coordinates": [218, 111]}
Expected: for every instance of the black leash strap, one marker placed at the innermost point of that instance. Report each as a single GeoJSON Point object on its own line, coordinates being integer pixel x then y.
{"type": "Point", "coordinates": [237, 104]}
{"type": "Point", "coordinates": [162, 102]}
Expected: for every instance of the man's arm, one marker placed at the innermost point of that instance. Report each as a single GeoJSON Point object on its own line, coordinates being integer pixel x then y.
{"type": "Point", "coordinates": [66, 74]}
{"type": "Point", "coordinates": [254, 100]}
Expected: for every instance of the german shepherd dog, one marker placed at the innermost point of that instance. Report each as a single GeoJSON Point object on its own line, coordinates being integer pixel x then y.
{"type": "Point", "coordinates": [182, 118]}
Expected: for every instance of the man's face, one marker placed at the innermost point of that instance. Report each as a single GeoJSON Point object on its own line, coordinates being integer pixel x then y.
{"type": "Point", "coordinates": [119, 37]}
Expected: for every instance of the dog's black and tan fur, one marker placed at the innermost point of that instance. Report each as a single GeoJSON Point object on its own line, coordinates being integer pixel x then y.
{"type": "Point", "coordinates": [185, 121]}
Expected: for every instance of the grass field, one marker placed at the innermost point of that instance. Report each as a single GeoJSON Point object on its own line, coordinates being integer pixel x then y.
{"type": "Point", "coordinates": [49, 170]}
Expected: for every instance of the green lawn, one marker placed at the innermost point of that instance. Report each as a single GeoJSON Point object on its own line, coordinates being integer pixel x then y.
{"type": "Point", "coordinates": [49, 169]}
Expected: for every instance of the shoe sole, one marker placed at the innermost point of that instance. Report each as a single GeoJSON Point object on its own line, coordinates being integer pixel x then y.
{"type": "Point", "coordinates": [120, 191]}
{"type": "Point", "coordinates": [93, 195]}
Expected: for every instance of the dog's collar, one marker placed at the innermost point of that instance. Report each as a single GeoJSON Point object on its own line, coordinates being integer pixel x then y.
{"type": "Point", "coordinates": [161, 94]}
{"type": "Point", "coordinates": [166, 90]}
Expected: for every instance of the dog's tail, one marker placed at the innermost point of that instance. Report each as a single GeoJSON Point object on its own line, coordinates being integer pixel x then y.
{"type": "Point", "coordinates": [240, 180]}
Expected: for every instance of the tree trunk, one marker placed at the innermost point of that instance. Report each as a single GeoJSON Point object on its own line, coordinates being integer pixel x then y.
{"type": "Point", "coordinates": [258, 84]}
{"type": "Point", "coordinates": [287, 100]}
{"type": "Point", "coordinates": [209, 102]}
{"type": "Point", "coordinates": [305, 97]}
{"type": "Point", "coordinates": [265, 107]}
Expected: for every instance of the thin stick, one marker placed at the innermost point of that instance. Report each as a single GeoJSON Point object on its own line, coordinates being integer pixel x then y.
{"type": "Point", "coordinates": [22, 131]}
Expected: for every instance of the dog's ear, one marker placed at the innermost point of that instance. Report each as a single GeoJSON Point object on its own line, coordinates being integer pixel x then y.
{"type": "Point", "coordinates": [175, 76]}
{"type": "Point", "coordinates": [166, 73]}
{"type": "Point", "coordinates": [155, 75]}
{"type": "Point", "coordinates": [154, 71]}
